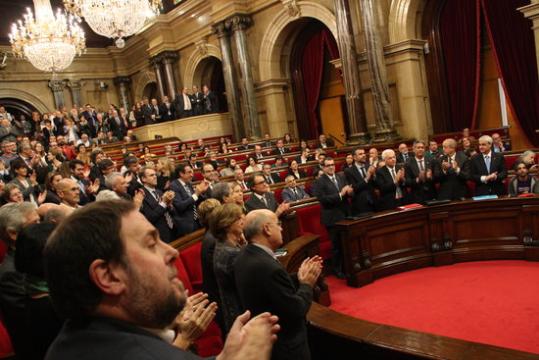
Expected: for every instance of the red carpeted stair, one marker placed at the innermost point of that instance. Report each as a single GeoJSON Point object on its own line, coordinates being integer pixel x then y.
{"type": "Point", "coordinates": [491, 302]}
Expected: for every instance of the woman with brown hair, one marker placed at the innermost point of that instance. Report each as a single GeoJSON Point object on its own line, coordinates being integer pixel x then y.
{"type": "Point", "coordinates": [226, 224]}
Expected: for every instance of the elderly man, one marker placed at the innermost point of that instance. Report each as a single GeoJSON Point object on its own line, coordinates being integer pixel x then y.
{"type": "Point", "coordinates": [390, 181]}
{"type": "Point", "coordinates": [451, 170]}
{"type": "Point", "coordinates": [262, 198]}
{"type": "Point", "coordinates": [271, 178]}
{"type": "Point", "coordinates": [498, 145]}
{"type": "Point", "coordinates": [264, 285]}
{"type": "Point", "coordinates": [239, 178]}
{"type": "Point", "coordinates": [292, 192]}
{"type": "Point", "coordinates": [404, 154]}
{"type": "Point", "coordinates": [69, 192]}
{"type": "Point", "coordinates": [118, 183]}
{"type": "Point", "coordinates": [211, 176]}
{"type": "Point", "coordinates": [121, 294]}
{"type": "Point", "coordinates": [487, 169]}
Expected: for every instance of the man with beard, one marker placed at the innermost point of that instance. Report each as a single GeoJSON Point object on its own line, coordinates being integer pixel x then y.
{"type": "Point", "coordinates": [117, 287]}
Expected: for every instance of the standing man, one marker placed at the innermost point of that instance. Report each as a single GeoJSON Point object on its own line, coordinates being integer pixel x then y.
{"type": "Point", "coordinates": [183, 104]}
{"type": "Point", "coordinates": [390, 182]}
{"type": "Point", "coordinates": [264, 285]}
{"type": "Point", "coordinates": [197, 100]}
{"type": "Point", "coordinates": [418, 175]}
{"type": "Point", "coordinates": [333, 192]}
{"type": "Point", "coordinates": [361, 176]}
{"type": "Point", "coordinates": [157, 207]}
{"type": "Point", "coordinates": [487, 169]}
{"type": "Point", "coordinates": [167, 110]}
{"type": "Point", "coordinates": [87, 190]}
{"type": "Point", "coordinates": [404, 154]}
{"type": "Point", "coordinates": [451, 170]}
{"type": "Point", "coordinates": [211, 103]}
{"type": "Point", "coordinates": [186, 199]}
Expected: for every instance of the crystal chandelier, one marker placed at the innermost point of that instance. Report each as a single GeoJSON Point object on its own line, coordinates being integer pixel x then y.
{"type": "Point", "coordinates": [48, 41]}
{"type": "Point", "coordinates": [115, 19]}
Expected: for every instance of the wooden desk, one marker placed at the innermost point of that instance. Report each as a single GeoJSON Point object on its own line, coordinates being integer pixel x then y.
{"type": "Point", "coordinates": [392, 242]}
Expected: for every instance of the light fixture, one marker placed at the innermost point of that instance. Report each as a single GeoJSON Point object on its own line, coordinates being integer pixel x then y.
{"type": "Point", "coordinates": [115, 19]}
{"type": "Point", "coordinates": [50, 42]}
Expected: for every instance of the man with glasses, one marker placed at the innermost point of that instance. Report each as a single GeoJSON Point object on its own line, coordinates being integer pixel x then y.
{"type": "Point", "coordinates": [262, 198]}
{"type": "Point", "coordinates": [333, 192]}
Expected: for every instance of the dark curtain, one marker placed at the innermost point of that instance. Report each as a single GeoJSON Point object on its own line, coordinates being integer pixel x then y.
{"type": "Point", "coordinates": [312, 68]}
{"type": "Point", "coordinates": [460, 30]}
{"type": "Point", "coordinates": [514, 49]}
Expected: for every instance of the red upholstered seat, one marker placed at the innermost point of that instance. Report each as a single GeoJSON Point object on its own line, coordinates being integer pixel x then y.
{"type": "Point", "coordinates": [6, 349]}
{"type": "Point", "coordinates": [510, 160]}
{"type": "Point", "coordinates": [309, 223]}
{"type": "Point", "coordinates": [197, 176]}
{"type": "Point", "coordinates": [3, 250]}
{"type": "Point", "coordinates": [278, 195]}
{"type": "Point", "coordinates": [191, 259]}
{"type": "Point", "coordinates": [183, 275]}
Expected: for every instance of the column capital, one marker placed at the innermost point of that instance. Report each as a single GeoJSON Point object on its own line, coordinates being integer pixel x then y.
{"type": "Point", "coordinates": [155, 61]}
{"type": "Point", "coordinates": [122, 80]}
{"type": "Point", "coordinates": [74, 84]}
{"type": "Point", "coordinates": [57, 85]}
{"type": "Point", "coordinates": [169, 56]}
{"type": "Point", "coordinates": [239, 22]}
{"type": "Point", "coordinates": [530, 11]}
{"type": "Point", "coordinates": [220, 29]}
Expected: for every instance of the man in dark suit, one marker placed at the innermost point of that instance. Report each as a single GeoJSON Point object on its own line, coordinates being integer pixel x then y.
{"type": "Point", "coordinates": [183, 105]}
{"type": "Point", "coordinates": [262, 198]}
{"type": "Point", "coordinates": [87, 189]}
{"type": "Point", "coordinates": [156, 206]}
{"type": "Point", "coordinates": [156, 112]}
{"type": "Point", "coordinates": [264, 285]}
{"type": "Point", "coordinates": [418, 175]}
{"type": "Point", "coordinates": [333, 192]}
{"type": "Point", "coordinates": [244, 144]}
{"type": "Point", "coordinates": [390, 182]}
{"type": "Point", "coordinates": [324, 142]}
{"type": "Point", "coordinates": [122, 291]}
{"type": "Point", "coordinates": [271, 178]}
{"type": "Point", "coordinates": [292, 192]}
{"type": "Point", "coordinates": [279, 148]}
{"type": "Point", "coordinates": [211, 102]}
{"type": "Point", "coordinates": [186, 199]}
{"type": "Point", "coordinates": [487, 169]}
{"type": "Point", "coordinates": [498, 145]}
{"type": "Point", "coordinates": [258, 154]}
{"type": "Point", "coordinates": [361, 176]}
{"type": "Point", "coordinates": [167, 110]}
{"type": "Point", "coordinates": [404, 154]}
{"type": "Point", "coordinates": [117, 125]}
{"type": "Point", "coordinates": [434, 152]}
{"type": "Point", "coordinates": [147, 112]}
{"type": "Point", "coordinates": [197, 100]}
{"type": "Point", "coordinates": [91, 117]}
{"type": "Point", "coordinates": [451, 170]}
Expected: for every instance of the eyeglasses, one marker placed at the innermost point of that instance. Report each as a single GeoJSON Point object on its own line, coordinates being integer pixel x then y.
{"type": "Point", "coordinates": [329, 165]}
{"type": "Point", "coordinates": [261, 182]}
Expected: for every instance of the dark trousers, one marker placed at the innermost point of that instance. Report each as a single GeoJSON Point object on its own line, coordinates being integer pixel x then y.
{"type": "Point", "coordinates": [336, 249]}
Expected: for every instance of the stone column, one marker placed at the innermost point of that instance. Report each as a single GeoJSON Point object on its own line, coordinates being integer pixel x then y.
{"type": "Point", "coordinates": [76, 95]}
{"type": "Point", "coordinates": [238, 24]}
{"type": "Point", "coordinates": [385, 127]}
{"type": "Point", "coordinates": [232, 96]}
{"type": "Point", "coordinates": [123, 83]}
{"type": "Point", "coordinates": [169, 58]}
{"type": "Point", "coordinates": [532, 12]}
{"type": "Point", "coordinates": [156, 63]}
{"type": "Point", "coordinates": [349, 63]}
{"type": "Point", "coordinates": [57, 87]}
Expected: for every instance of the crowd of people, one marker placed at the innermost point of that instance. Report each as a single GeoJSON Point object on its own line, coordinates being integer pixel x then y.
{"type": "Point", "coordinates": [116, 283]}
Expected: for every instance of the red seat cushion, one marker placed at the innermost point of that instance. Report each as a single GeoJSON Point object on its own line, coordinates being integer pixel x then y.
{"type": "Point", "coordinates": [278, 195]}
{"type": "Point", "coordinates": [183, 275]}
{"type": "Point", "coordinates": [309, 223]}
{"type": "Point", "coordinates": [6, 349]}
{"type": "Point", "coordinates": [191, 259]}
{"type": "Point", "coordinates": [210, 342]}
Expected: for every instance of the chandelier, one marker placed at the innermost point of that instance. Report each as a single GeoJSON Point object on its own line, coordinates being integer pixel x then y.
{"type": "Point", "coordinates": [115, 19]}
{"type": "Point", "coordinates": [50, 42]}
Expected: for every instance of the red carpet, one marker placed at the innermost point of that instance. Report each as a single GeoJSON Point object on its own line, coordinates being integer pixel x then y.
{"type": "Point", "coordinates": [491, 302]}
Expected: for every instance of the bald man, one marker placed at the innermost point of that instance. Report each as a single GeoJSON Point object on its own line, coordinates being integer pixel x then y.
{"type": "Point", "coordinates": [69, 192]}
{"type": "Point", "coordinates": [264, 285]}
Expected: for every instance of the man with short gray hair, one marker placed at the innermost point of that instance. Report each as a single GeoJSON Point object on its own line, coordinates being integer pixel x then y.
{"type": "Point", "coordinates": [264, 285]}
{"type": "Point", "coordinates": [487, 169]}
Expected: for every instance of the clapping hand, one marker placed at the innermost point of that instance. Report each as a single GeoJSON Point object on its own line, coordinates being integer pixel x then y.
{"type": "Point", "coordinates": [194, 319]}
{"type": "Point", "coordinates": [310, 270]}
{"type": "Point", "coordinates": [94, 187]}
{"type": "Point", "coordinates": [168, 197]}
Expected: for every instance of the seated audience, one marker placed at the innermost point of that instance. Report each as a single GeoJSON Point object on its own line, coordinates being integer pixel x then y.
{"type": "Point", "coordinates": [117, 301]}
{"type": "Point", "coordinates": [295, 171]}
{"type": "Point", "coordinates": [528, 158]}
{"type": "Point", "coordinates": [262, 198]}
{"type": "Point", "coordinates": [254, 166]}
{"type": "Point", "coordinates": [229, 168]}
{"type": "Point", "coordinates": [280, 149]}
{"type": "Point", "coordinates": [498, 145]}
{"type": "Point", "coordinates": [271, 177]}
{"type": "Point", "coordinates": [523, 182]}
{"type": "Point", "coordinates": [292, 192]}
{"type": "Point", "coordinates": [239, 178]}
{"type": "Point", "coordinates": [324, 142]}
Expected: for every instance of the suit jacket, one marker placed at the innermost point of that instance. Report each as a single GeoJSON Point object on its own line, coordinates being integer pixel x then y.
{"type": "Point", "coordinates": [334, 208]}
{"type": "Point", "coordinates": [184, 206]}
{"type": "Point", "coordinates": [147, 112]}
{"type": "Point", "coordinates": [167, 112]}
{"type": "Point", "coordinates": [301, 173]}
{"type": "Point", "coordinates": [388, 188]}
{"type": "Point", "coordinates": [155, 213]}
{"type": "Point", "coordinates": [329, 143]}
{"type": "Point", "coordinates": [211, 102]}
{"type": "Point", "coordinates": [179, 105]}
{"type": "Point", "coordinates": [197, 101]}
{"type": "Point", "coordinates": [363, 198]}
{"type": "Point", "coordinates": [452, 185]}
{"type": "Point", "coordinates": [400, 157]}
{"type": "Point", "coordinates": [223, 267]}
{"type": "Point", "coordinates": [289, 196]}
{"type": "Point", "coordinates": [111, 339]}
{"type": "Point", "coordinates": [264, 285]}
{"type": "Point", "coordinates": [422, 191]}
{"type": "Point", "coordinates": [277, 152]}
{"type": "Point", "coordinates": [118, 130]}
{"type": "Point", "coordinates": [478, 168]}
{"type": "Point", "coordinates": [275, 177]}
{"type": "Point", "coordinates": [254, 203]}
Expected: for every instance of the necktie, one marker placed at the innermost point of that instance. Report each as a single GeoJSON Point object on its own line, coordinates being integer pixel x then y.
{"type": "Point", "coordinates": [190, 192]}
{"type": "Point", "coordinates": [487, 162]}
{"type": "Point", "coordinates": [296, 197]}
{"type": "Point", "coordinates": [269, 180]}
{"type": "Point", "coordinates": [421, 167]}
{"type": "Point", "coordinates": [335, 182]}
{"type": "Point", "coordinates": [168, 218]}
{"type": "Point", "coordinates": [265, 201]}
{"type": "Point", "coordinates": [362, 171]}
{"type": "Point", "coordinates": [398, 191]}
{"type": "Point", "coordinates": [393, 175]}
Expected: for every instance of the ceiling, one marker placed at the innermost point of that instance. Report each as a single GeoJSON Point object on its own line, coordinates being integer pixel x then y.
{"type": "Point", "coordinates": [13, 10]}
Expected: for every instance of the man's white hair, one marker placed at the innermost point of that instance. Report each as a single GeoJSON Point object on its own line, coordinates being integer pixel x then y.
{"type": "Point", "coordinates": [486, 138]}
{"type": "Point", "coordinates": [387, 153]}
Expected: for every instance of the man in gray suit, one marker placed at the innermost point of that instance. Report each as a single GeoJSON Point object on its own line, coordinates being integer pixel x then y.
{"type": "Point", "coordinates": [293, 192]}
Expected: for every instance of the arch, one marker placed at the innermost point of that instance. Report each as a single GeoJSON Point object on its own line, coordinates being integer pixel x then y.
{"type": "Point", "coordinates": [146, 78]}
{"type": "Point", "coordinates": [405, 20]}
{"type": "Point", "coordinates": [275, 38]}
{"type": "Point", "coordinates": [201, 52]}
{"type": "Point", "coordinates": [27, 97]}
